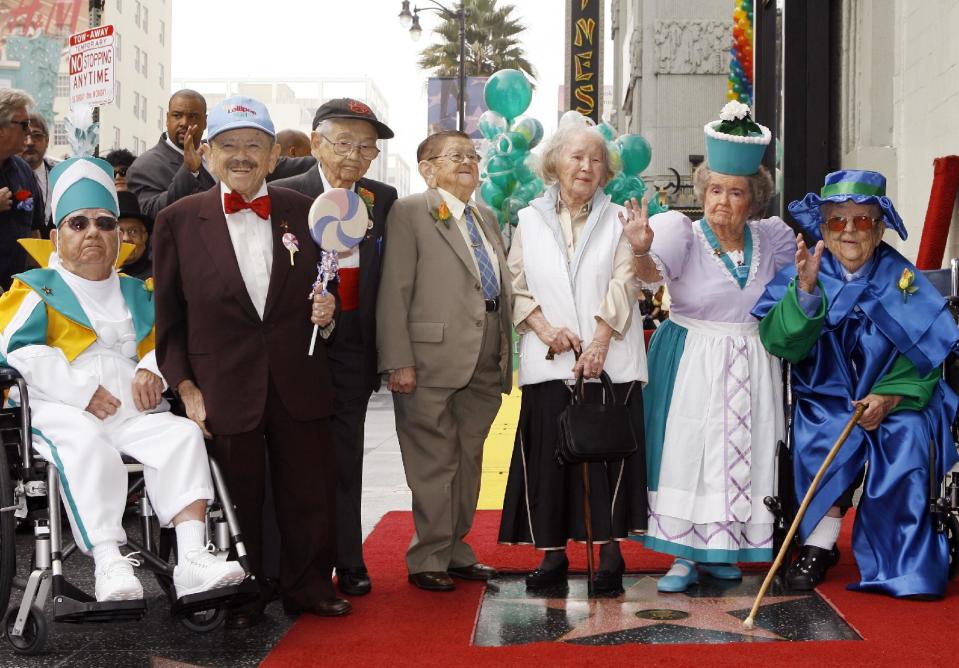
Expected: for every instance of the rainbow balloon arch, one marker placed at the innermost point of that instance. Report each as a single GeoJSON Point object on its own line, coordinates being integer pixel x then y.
{"type": "Point", "coordinates": [509, 172]}
{"type": "Point", "coordinates": [740, 84]}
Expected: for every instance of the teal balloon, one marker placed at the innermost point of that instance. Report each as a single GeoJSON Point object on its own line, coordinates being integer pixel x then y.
{"type": "Point", "coordinates": [512, 207]}
{"type": "Point", "coordinates": [492, 194]}
{"type": "Point", "coordinates": [500, 171]}
{"type": "Point", "coordinates": [530, 128]}
{"type": "Point", "coordinates": [607, 130]}
{"type": "Point", "coordinates": [491, 124]}
{"type": "Point", "coordinates": [523, 172]}
{"type": "Point", "coordinates": [508, 93]}
{"type": "Point", "coordinates": [615, 188]}
{"type": "Point", "coordinates": [512, 142]}
{"type": "Point", "coordinates": [635, 152]}
{"type": "Point", "coordinates": [633, 186]}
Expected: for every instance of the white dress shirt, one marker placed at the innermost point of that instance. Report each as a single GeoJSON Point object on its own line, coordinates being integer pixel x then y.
{"type": "Point", "coordinates": [457, 209]}
{"type": "Point", "coordinates": [252, 239]}
{"type": "Point", "coordinates": [346, 259]}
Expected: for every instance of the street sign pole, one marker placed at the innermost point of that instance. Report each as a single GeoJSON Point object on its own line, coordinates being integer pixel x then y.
{"type": "Point", "coordinates": [96, 16]}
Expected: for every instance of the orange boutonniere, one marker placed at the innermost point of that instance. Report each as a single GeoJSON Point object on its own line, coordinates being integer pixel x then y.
{"type": "Point", "coordinates": [368, 198]}
{"type": "Point", "coordinates": [442, 213]}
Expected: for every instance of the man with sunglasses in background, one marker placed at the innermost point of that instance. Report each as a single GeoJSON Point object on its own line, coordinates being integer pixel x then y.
{"type": "Point", "coordinates": [21, 204]}
{"type": "Point", "coordinates": [443, 322]}
{"type": "Point", "coordinates": [345, 132]}
{"type": "Point", "coordinates": [862, 326]}
{"type": "Point", "coordinates": [35, 152]}
{"type": "Point", "coordinates": [82, 337]}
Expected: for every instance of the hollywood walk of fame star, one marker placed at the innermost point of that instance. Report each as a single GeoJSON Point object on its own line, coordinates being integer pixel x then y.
{"type": "Point", "coordinates": [611, 615]}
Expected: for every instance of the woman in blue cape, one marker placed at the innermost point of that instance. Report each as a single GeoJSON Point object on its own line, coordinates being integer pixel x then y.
{"type": "Point", "coordinates": [860, 324]}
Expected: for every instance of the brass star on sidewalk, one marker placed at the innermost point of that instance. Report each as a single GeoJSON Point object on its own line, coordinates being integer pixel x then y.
{"type": "Point", "coordinates": [643, 606]}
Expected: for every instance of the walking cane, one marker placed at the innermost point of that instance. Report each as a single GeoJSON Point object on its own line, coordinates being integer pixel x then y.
{"type": "Point", "coordinates": [588, 516]}
{"type": "Point", "coordinates": [750, 620]}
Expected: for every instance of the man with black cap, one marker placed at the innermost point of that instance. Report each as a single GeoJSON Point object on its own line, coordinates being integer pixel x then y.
{"type": "Point", "coordinates": [135, 229]}
{"type": "Point", "coordinates": [345, 132]}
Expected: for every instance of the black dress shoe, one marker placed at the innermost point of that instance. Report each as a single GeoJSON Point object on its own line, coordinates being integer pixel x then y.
{"type": "Point", "coordinates": [250, 614]}
{"type": "Point", "coordinates": [335, 607]}
{"type": "Point", "coordinates": [810, 568]}
{"type": "Point", "coordinates": [432, 581]}
{"type": "Point", "coordinates": [353, 581]}
{"type": "Point", "coordinates": [542, 578]}
{"type": "Point", "coordinates": [475, 571]}
{"type": "Point", "coordinates": [610, 583]}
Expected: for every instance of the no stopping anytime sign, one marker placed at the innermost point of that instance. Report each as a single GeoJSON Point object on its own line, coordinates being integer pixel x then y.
{"type": "Point", "coordinates": [92, 55]}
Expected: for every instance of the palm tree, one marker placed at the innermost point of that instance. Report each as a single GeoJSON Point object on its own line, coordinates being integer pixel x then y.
{"type": "Point", "coordinates": [492, 42]}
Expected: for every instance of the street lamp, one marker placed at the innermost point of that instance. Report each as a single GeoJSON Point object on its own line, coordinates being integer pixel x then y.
{"type": "Point", "coordinates": [411, 20]}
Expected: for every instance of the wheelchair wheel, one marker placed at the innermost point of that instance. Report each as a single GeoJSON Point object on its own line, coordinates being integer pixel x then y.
{"type": "Point", "coordinates": [952, 536]}
{"type": "Point", "coordinates": [205, 620]}
{"type": "Point", "coordinates": [8, 547]}
{"type": "Point", "coordinates": [34, 631]}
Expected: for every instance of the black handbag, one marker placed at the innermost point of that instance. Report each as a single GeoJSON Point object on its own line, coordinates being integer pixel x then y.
{"type": "Point", "coordinates": [591, 432]}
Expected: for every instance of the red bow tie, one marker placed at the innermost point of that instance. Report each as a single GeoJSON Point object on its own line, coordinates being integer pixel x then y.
{"type": "Point", "coordinates": [233, 202]}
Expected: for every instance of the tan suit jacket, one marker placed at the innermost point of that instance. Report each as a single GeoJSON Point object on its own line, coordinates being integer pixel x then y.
{"type": "Point", "coordinates": [430, 312]}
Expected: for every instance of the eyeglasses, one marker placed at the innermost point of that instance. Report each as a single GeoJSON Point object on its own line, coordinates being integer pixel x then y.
{"type": "Point", "coordinates": [24, 124]}
{"type": "Point", "coordinates": [103, 223]}
{"type": "Point", "coordinates": [120, 171]}
{"type": "Point", "coordinates": [344, 148]}
{"type": "Point", "coordinates": [133, 231]}
{"type": "Point", "coordinates": [36, 137]}
{"type": "Point", "coordinates": [458, 157]}
{"type": "Point", "coordinates": [861, 223]}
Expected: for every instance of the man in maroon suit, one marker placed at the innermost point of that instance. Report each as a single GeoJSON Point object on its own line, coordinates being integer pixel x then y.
{"type": "Point", "coordinates": [233, 328]}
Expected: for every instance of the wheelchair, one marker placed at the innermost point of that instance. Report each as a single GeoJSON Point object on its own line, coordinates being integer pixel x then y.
{"type": "Point", "coordinates": [943, 498]}
{"type": "Point", "coordinates": [30, 495]}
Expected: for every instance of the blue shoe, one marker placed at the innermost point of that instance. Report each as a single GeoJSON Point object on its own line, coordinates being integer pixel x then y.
{"type": "Point", "coordinates": [722, 571]}
{"type": "Point", "coordinates": [675, 581]}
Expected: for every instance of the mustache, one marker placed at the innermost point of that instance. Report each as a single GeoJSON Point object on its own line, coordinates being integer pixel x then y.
{"type": "Point", "coordinates": [241, 164]}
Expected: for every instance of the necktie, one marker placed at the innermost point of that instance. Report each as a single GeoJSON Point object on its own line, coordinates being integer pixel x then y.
{"type": "Point", "coordinates": [487, 275]}
{"type": "Point", "coordinates": [233, 202]}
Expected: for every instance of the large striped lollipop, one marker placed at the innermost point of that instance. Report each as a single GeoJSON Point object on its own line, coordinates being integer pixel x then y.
{"type": "Point", "coordinates": [338, 222]}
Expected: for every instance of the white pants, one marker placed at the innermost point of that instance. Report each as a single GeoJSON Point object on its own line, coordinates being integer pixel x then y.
{"type": "Point", "coordinates": [87, 454]}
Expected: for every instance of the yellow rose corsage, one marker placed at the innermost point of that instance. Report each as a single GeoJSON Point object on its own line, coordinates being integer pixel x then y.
{"type": "Point", "coordinates": [905, 284]}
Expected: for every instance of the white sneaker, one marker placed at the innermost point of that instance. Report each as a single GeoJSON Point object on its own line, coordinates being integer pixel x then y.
{"type": "Point", "coordinates": [201, 571]}
{"type": "Point", "coordinates": [116, 581]}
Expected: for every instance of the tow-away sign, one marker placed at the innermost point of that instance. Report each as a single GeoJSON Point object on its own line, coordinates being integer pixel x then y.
{"type": "Point", "coordinates": [92, 57]}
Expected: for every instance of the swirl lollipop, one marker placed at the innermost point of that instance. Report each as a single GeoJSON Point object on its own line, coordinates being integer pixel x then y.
{"type": "Point", "coordinates": [338, 222]}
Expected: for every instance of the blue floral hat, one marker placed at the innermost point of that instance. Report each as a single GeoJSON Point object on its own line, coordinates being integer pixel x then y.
{"type": "Point", "coordinates": [735, 144]}
{"type": "Point", "coordinates": [859, 186]}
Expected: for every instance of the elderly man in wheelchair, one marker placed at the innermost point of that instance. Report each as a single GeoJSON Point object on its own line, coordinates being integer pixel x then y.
{"type": "Point", "coordinates": [82, 337]}
{"type": "Point", "coordinates": [861, 325]}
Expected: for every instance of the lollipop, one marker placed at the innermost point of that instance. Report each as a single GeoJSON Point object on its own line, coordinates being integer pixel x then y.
{"type": "Point", "coordinates": [338, 222]}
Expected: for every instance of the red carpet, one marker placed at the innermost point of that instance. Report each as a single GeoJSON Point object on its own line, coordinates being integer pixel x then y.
{"type": "Point", "coordinates": [399, 625]}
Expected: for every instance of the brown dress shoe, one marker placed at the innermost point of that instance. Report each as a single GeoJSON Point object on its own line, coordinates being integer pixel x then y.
{"type": "Point", "coordinates": [432, 581]}
{"type": "Point", "coordinates": [243, 618]}
{"type": "Point", "coordinates": [475, 571]}
{"type": "Point", "coordinates": [333, 608]}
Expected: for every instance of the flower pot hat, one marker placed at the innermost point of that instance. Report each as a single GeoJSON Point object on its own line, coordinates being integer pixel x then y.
{"type": "Point", "coordinates": [859, 186]}
{"type": "Point", "coordinates": [735, 143]}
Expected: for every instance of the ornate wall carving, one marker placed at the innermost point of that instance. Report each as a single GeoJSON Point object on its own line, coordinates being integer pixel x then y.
{"type": "Point", "coordinates": [636, 52]}
{"type": "Point", "coordinates": [692, 47]}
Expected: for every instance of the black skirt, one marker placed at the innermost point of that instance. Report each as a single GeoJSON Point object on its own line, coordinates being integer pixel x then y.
{"type": "Point", "coordinates": [544, 499]}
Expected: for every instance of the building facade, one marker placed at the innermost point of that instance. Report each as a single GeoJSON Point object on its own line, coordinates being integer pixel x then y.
{"type": "Point", "coordinates": [136, 117]}
{"type": "Point", "coordinates": [670, 66]}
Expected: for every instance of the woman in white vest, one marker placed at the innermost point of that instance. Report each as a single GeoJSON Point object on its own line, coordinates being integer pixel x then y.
{"type": "Point", "coordinates": [714, 400]}
{"type": "Point", "coordinates": [574, 291]}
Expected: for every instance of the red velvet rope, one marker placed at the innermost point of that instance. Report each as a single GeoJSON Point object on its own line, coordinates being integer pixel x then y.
{"type": "Point", "coordinates": [942, 198]}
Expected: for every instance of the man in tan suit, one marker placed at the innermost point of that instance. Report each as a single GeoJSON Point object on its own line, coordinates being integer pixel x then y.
{"type": "Point", "coordinates": [443, 330]}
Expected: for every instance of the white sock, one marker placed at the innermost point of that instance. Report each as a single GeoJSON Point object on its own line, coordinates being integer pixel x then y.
{"type": "Point", "coordinates": [104, 553]}
{"type": "Point", "coordinates": [190, 536]}
{"type": "Point", "coordinates": [681, 567]}
{"type": "Point", "coordinates": [825, 534]}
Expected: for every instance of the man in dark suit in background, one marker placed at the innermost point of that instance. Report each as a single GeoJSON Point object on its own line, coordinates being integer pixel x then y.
{"type": "Point", "coordinates": [345, 132]}
{"type": "Point", "coordinates": [233, 330]}
{"type": "Point", "coordinates": [176, 167]}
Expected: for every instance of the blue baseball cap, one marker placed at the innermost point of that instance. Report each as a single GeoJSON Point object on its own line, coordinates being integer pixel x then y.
{"type": "Point", "coordinates": [239, 112]}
